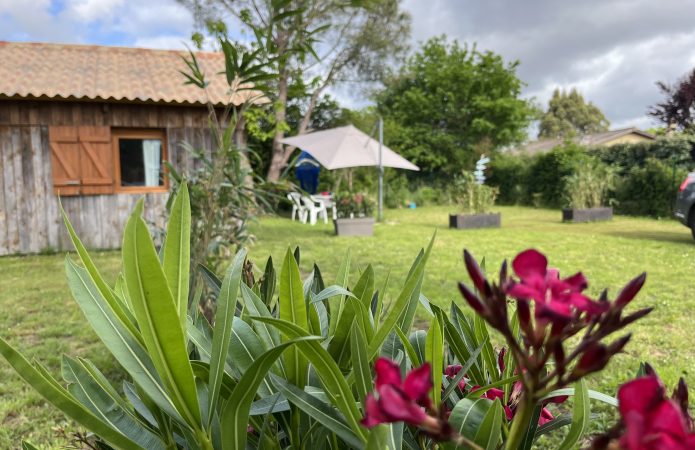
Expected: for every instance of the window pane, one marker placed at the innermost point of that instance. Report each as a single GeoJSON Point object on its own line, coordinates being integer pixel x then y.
{"type": "Point", "coordinates": [141, 162]}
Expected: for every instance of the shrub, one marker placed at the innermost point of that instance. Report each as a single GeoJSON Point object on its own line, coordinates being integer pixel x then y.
{"type": "Point", "coordinates": [547, 173]}
{"type": "Point", "coordinates": [350, 204]}
{"type": "Point", "coordinates": [290, 366]}
{"type": "Point", "coordinates": [509, 174]}
{"type": "Point", "coordinates": [590, 185]}
{"type": "Point", "coordinates": [471, 196]}
{"type": "Point", "coordinates": [676, 150]}
{"type": "Point", "coordinates": [649, 190]}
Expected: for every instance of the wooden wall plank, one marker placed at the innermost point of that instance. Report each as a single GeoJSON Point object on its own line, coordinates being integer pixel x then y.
{"type": "Point", "coordinates": [4, 220]}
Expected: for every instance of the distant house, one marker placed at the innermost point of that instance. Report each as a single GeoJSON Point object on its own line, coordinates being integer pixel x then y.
{"type": "Point", "coordinates": [93, 125]}
{"type": "Point", "coordinates": [630, 135]}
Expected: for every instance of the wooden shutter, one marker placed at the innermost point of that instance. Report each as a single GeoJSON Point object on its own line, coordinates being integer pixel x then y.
{"type": "Point", "coordinates": [82, 160]}
{"type": "Point", "coordinates": [96, 160]}
{"type": "Point", "coordinates": [65, 160]}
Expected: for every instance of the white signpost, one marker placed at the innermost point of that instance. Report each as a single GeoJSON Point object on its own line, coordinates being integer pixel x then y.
{"type": "Point", "coordinates": [480, 167]}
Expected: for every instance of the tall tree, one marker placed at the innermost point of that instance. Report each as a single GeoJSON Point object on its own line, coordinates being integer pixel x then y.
{"type": "Point", "coordinates": [322, 41]}
{"type": "Point", "coordinates": [569, 115]}
{"type": "Point", "coordinates": [449, 103]}
{"type": "Point", "coordinates": [678, 108]}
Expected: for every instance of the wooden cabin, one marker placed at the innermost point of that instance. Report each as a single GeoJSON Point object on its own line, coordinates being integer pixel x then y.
{"type": "Point", "coordinates": [94, 125]}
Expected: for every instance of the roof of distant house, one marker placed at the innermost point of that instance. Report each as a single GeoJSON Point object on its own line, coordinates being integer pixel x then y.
{"type": "Point", "coordinates": [121, 74]}
{"type": "Point", "coordinates": [545, 145]}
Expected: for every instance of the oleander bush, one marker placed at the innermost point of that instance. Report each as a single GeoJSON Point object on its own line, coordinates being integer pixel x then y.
{"type": "Point", "coordinates": [292, 361]}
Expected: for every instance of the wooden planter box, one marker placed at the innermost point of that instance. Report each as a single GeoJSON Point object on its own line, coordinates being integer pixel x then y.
{"type": "Point", "coordinates": [466, 221]}
{"type": "Point", "coordinates": [361, 226]}
{"type": "Point", "coordinates": [587, 215]}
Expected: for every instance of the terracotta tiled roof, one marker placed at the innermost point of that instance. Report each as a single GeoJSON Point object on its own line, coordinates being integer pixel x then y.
{"type": "Point", "coordinates": [90, 72]}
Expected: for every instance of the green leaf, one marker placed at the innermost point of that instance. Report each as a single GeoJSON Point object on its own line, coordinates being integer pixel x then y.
{"type": "Point", "coordinates": [331, 291]}
{"type": "Point", "coordinates": [409, 350]}
{"type": "Point", "coordinates": [333, 380]}
{"type": "Point", "coordinates": [245, 348]}
{"type": "Point", "coordinates": [129, 353]}
{"type": "Point", "coordinates": [490, 430]}
{"type": "Point", "coordinates": [235, 413]}
{"type": "Point", "coordinates": [465, 367]}
{"type": "Point", "coordinates": [595, 395]}
{"type": "Point", "coordinates": [468, 415]}
{"type": "Point", "coordinates": [254, 306]}
{"type": "Point", "coordinates": [399, 310]}
{"type": "Point", "coordinates": [318, 410]}
{"type": "Point", "coordinates": [100, 398]}
{"type": "Point", "coordinates": [293, 309]}
{"type": "Point", "coordinates": [177, 251]}
{"type": "Point", "coordinates": [28, 446]}
{"type": "Point", "coordinates": [335, 304]}
{"type": "Point", "coordinates": [226, 305]}
{"type": "Point", "coordinates": [268, 282]}
{"type": "Point", "coordinates": [339, 347]}
{"type": "Point", "coordinates": [51, 390]}
{"type": "Point", "coordinates": [155, 311]}
{"type": "Point", "coordinates": [488, 353]}
{"type": "Point", "coordinates": [118, 307]}
{"type": "Point", "coordinates": [360, 364]}
{"type": "Point", "coordinates": [434, 352]}
{"type": "Point", "coordinates": [379, 438]}
{"type": "Point", "coordinates": [580, 416]}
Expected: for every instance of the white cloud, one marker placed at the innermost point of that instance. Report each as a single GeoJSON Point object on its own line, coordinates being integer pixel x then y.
{"type": "Point", "coordinates": [93, 10]}
{"type": "Point", "coordinates": [163, 42]}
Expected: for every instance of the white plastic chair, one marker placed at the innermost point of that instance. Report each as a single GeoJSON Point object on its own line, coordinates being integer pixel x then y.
{"type": "Point", "coordinates": [298, 210]}
{"type": "Point", "coordinates": [313, 209]}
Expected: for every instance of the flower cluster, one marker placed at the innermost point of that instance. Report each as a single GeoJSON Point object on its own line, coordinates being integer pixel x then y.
{"type": "Point", "coordinates": [551, 310]}
{"type": "Point", "coordinates": [649, 419]}
{"type": "Point", "coordinates": [405, 400]}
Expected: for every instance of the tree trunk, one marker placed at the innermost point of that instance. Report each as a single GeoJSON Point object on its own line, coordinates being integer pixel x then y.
{"type": "Point", "coordinates": [277, 161]}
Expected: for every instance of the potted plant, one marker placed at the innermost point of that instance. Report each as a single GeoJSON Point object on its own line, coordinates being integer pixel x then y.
{"type": "Point", "coordinates": [475, 201]}
{"type": "Point", "coordinates": [586, 193]}
{"type": "Point", "coordinates": [354, 215]}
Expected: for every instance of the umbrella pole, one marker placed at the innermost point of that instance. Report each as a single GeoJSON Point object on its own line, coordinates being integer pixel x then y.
{"type": "Point", "coordinates": [381, 170]}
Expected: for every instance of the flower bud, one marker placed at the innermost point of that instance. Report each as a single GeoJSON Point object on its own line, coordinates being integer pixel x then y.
{"type": "Point", "coordinates": [472, 299]}
{"type": "Point", "coordinates": [477, 276]}
{"type": "Point", "coordinates": [594, 358]}
{"type": "Point", "coordinates": [630, 290]}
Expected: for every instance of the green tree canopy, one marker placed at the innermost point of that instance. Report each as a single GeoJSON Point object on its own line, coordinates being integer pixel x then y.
{"type": "Point", "coordinates": [450, 103]}
{"type": "Point", "coordinates": [568, 115]}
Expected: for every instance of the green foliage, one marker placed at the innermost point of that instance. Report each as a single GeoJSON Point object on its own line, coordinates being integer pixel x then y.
{"type": "Point", "coordinates": [509, 174]}
{"type": "Point", "coordinates": [569, 115]}
{"type": "Point", "coordinates": [677, 149]}
{"type": "Point", "coordinates": [350, 204]}
{"type": "Point", "coordinates": [449, 103]}
{"type": "Point", "coordinates": [589, 185]}
{"type": "Point", "coordinates": [298, 373]}
{"type": "Point", "coordinates": [649, 190]}
{"type": "Point", "coordinates": [472, 197]}
{"type": "Point", "coordinates": [547, 173]}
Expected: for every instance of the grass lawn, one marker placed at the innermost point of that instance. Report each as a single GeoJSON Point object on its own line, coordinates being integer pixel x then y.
{"type": "Point", "coordinates": [39, 316]}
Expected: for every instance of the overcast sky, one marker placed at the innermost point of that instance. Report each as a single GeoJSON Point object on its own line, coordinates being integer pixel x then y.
{"type": "Point", "coordinates": [613, 51]}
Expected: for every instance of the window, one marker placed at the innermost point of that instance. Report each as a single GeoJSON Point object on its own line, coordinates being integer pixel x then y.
{"type": "Point", "coordinates": [139, 159]}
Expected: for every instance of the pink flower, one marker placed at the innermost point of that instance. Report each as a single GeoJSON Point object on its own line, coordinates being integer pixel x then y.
{"type": "Point", "coordinates": [555, 299]}
{"type": "Point", "coordinates": [452, 370]}
{"type": "Point", "coordinates": [651, 420]}
{"type": "Point", "coordinates": [399, 400]}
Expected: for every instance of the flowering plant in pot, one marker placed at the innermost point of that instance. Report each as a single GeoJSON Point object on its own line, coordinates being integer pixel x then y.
{"type": "Point", "coordinates": [587, 191]}
{"type": "Point", "coordinates": [354, 215]}
{"type": "Point", "coordinates": [475, 201]}
{"type": "Point", "coordinates": [292, 362]}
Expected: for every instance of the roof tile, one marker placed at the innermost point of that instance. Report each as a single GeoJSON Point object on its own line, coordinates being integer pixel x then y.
{"type": "Point", "coordinates": [90, 72]}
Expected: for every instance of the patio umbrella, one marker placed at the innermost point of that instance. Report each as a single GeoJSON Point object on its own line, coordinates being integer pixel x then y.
{"type": "Point", "coordinates": [343, 147]}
